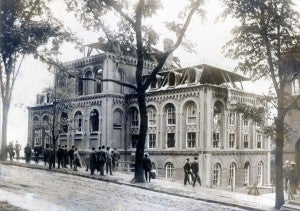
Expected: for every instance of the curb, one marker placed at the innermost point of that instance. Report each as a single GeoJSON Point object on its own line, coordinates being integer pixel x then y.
{"type": "Point", "coordinates": [115, 181]}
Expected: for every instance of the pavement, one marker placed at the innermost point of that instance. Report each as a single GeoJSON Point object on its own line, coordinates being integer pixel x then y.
{"type": "Point", "coordinates": [237, 198]}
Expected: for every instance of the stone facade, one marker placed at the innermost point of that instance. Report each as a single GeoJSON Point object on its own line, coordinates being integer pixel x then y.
{"type": "Point", "coordinates": [190, 114]}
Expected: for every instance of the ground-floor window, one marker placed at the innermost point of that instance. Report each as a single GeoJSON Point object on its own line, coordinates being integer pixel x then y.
{"type": "Point", "coordinates": [246, 173]}
{"type": "Point", "coordinates": [217, 174]}
{"type": "Point", "coordinates": [47, 142]}
{"type": "Point", "coordinates": [260, 173]}
{"type": "Point", "coordinates": [169, 170]}
{"type": "Point", "coordinates": [232, 172]}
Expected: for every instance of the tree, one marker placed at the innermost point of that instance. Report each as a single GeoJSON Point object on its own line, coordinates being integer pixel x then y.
{"type": "Point", "coordinates": [266, 33]}
{"type": "Point", "coordinates": [26, 26]}
{"type": "Point", "coordinates": [136, 39]}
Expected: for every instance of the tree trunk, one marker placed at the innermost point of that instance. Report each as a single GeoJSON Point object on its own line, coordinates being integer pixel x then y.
{"type": "Point", "coordinates": [5, 110]}
{"type": "Point", "coordinates": [139, 172]}
{"type": "Point", "coordinates": [279, 124]}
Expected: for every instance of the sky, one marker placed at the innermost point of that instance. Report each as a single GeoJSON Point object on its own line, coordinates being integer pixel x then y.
{"type": "Point", "coordinates": [208, 38]}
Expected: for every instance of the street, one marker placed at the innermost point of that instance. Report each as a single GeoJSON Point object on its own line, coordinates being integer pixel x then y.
{"type": "Point", "coordinates": [45, 190]}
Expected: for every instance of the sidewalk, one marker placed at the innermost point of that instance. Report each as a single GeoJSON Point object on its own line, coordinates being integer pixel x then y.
{"type": "Point", "coordinates": [5, 206]}
{"type": "Point", "coordinates": [174, 187]}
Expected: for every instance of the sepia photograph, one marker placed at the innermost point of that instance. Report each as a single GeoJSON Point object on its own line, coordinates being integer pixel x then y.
{"type": "Point", "coordinates": [133, 105]}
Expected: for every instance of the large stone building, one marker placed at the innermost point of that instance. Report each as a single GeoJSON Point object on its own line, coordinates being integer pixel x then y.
{"type": "Point", "coordinates": [190, 113]}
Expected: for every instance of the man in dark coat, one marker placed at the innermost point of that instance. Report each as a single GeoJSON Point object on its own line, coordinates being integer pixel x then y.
{"type": "Point", "coordinates": [187, 171]}
{"type": "Point", "coordinates": [147, 166]}
{"type": "Point", "coordinates": [51, 158]}
{"type": "Point", "coordinates": [293, 178]}
{"type": "Point", "coordinates": [92, 161]}
{"type": "Point", "coordinates": [71, 155]}
{"type": "Point", "coordinates": [109, 161]}
{"type": "Point", "coordinates": [65, 157]}
{"type": "Point", "coordinates": [195, 171]}
{"type": "Point", "coordinates": [101, 158]}
{"type": "Point", "coordinates": [60, 156]}
{"type": "Point", "coordinates": [27, 151]}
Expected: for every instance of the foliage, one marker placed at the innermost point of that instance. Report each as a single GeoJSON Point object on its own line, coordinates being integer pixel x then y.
{"type": "Point", "coordinates": [263, 41]}
{"type": "Point", "coordinates": [27, 28]}
{"type": "Point", "coordinates": [251, 112]}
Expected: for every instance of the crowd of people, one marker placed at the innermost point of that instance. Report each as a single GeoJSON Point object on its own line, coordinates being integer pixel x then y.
{"type": "Point", "coordinates": [290, 177]}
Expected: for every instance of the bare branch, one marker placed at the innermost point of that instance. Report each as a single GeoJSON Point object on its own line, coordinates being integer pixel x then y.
{"type": "Point", "coordinates": [179, 40]}
{"type": "Point", "coordinates": [112, 4]}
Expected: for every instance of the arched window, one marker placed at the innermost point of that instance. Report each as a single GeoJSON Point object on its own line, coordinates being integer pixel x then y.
{"type": "Point", "coordinates": [46, 121]}
{"type": "Point", "coordinates": [89, 84]}
{"type": "Point", "coordinates": [35, 122]}
{"type": "Point", "coordinates": [171, 115]}
{"type": "Point", "coordinates": [260, 169]}
{"type": "Point", "coordinates": [247, 173]}
{"type": "Point", "coordinates": [79, 86]}
{"type": "Point", "coordinates": [98, 75]}
{"type": "Point", "coordinates": [217, 174]}
{"type": "Point", "coordinates": [94, 120]}
{"type": "Point", "coordinates": [117, 121]}
{"type": "Point", "coordinates": [134, 117]}
{"type": "Point", "coordinates": [64, 122]}
{"type": "Point", "coordinates": [232, 174]}
{"type": "Point", "coordinates": [191, 111]}
{"type": "Point", "coordinates": [78, 121]}
{"type": "Point", "coordinates": [151, 116]}
{"type": "Point", "coordinates": [169, 170]}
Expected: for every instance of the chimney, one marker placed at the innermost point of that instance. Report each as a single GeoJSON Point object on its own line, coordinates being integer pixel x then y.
{"type": "Point", "coordinates": [168, 46]}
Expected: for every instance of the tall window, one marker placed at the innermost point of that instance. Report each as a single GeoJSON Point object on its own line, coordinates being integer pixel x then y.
{"type": "Point", "coordinates": [216, 140]}
{"type": "Point", "coordinates": [246, 141]}
{"type": "Point", "coordinates": [258, 141]}
{"type": "Point", "coordinates": [47, 142]}
{"type": "Point", "coordinates": [94, 120]}
{"type": "Point", "coordinates": [217, 174]}
{"type": "Point", "coordinates": [191, 140]}
{"type": "Point", "coordinates": [232, 170]}
{"type": "Point", "coordinates": [89, 86]}
{"type": "Point", "coordinates": [231, 118]}
{"type": "Point", "coordinates": [98, 75]}
{"type": "Point", "coordinates": [134, 118]}
{"type": "Point", "coordinates": [231, 140]}
{"type": "Point", "coordinates": [191, 113]}
{"type": "Point", "coordinates": [218, 110]}
{"type": "Point", "coordinates": [171, 116]}
{"type": "Point", "coordinates": [247, 173]}
{"type": "Point", "coordinates": [151, 116]}
{"type": "Point", "coordinates": [260, 173]}
{"type": "Point", "coordinates": [117, 121]}
{"type": "Point", "coordinates": [79, 86]}
{"type": "Point", "coordinates": [37, 137]}
{"type": "Point", "coordinates": [169, 170]}
{"type": "Point", "coordinates": [170, 140]}
{"type": "Point", "coordinates": [78, 121]}
{"type": "Point", "coordinates": [64, 122]}
{"type": "Point", "coordinates": [134, 140]}
{"type": "Point", "coordinates": [152, 141]}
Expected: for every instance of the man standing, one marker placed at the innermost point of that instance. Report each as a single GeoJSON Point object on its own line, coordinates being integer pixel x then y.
{"type": "Point", "coordinates": [51, 158]}
{"type": "Point", "coordinates": [65, 157]}
{"type": "Point", "coordinates": [101, 158]}
{"type": "Point", "coordinates": [60, 156]}
{"type": "Point", "coordinates": [27, 151]}
{"type": "Point", "coordinates": [18, 148]}
{"type": "Point", "coordinates": [147, 165]}
{"type": "Point", "coordinates": [187, 171]}
{"type": "Point", "coordinates": [115, 158]}
{"type": "Point", "coordinates": [195, 171]}
{"type": "Point", "coordinates": [108, 161]}
{"type": "Point", "coordinates": [293, 180]}
{"type": "Point", "coordinates": [286, 173]}
{"type": "Point", "coordinates": [71, 155]}
{"type": "Point", "coordinates": [92, 161]}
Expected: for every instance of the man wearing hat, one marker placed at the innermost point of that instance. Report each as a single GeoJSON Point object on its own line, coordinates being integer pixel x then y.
{"type": "Point", "coordinates": [195, 171]}
{"type": "Point", "coordinates": [187, 171]}
{"type": "Point", "coordinates": [286, 173]}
